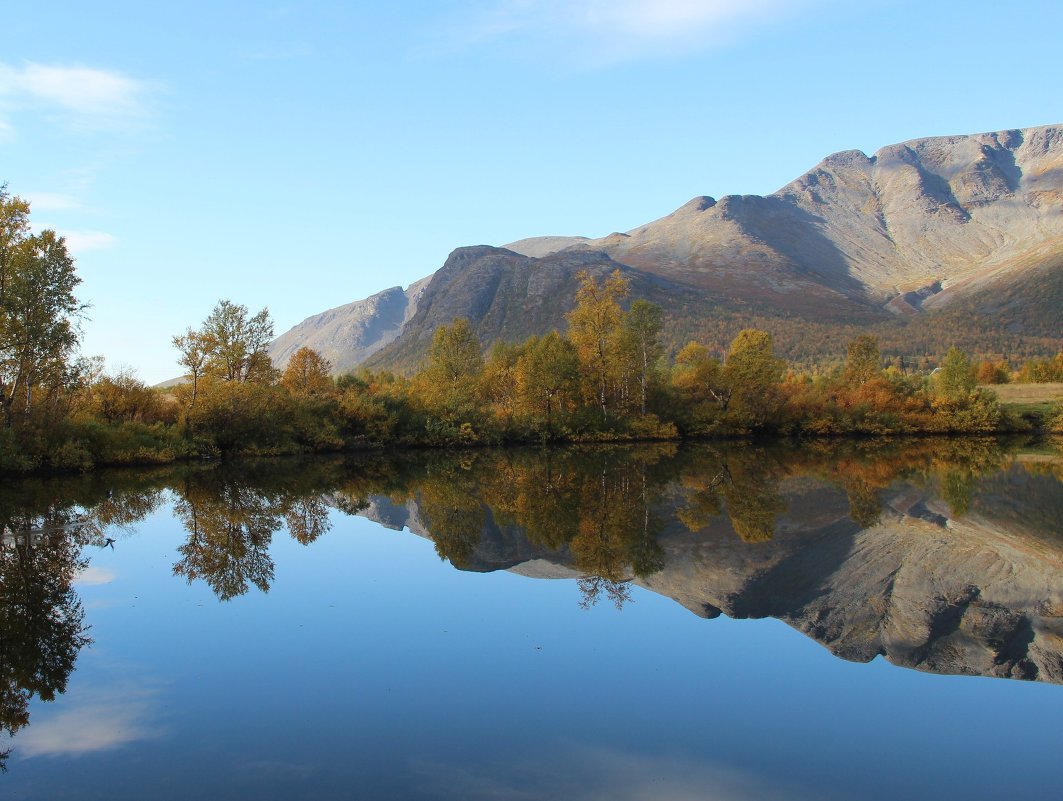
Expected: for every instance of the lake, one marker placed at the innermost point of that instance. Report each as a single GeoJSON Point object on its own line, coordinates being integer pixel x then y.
{"type": "Point", "coordinates": [731, 621]}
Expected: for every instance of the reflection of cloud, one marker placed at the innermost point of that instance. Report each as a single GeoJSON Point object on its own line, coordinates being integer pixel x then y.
{"type": "Point", "coordinates": [595, 774]}
{"type": "Point", "coordinates": [621, 30]}
{"type": "Point", "coordinates": [90, 722]}
{"type": "Point", "coordinates": [92, 576]}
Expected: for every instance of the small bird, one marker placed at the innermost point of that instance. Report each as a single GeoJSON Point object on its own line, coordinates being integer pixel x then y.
{"type": "Point", "coordinates": [108, 541]}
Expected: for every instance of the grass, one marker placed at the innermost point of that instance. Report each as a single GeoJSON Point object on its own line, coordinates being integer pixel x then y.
{"type": "Point", "coordinates": [1032, 394]}
{"type": "Point", "coordinates": [1038, 404]}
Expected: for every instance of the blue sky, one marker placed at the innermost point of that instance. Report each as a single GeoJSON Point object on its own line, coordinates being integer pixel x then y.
{"type": "Point", "coordinates": [304, 155]}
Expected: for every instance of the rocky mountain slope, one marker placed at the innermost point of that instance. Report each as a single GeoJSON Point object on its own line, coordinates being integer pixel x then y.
{"type": "Point", "coordinates": [857, 240]}
{"type": "Point", "coordinates": [350, 334]}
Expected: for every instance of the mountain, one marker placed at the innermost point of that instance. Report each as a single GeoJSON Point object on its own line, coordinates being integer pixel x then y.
{"type": "Point", "coordinates": [881, 243]}
{"type": "Point", "coordinates": [350, 334]}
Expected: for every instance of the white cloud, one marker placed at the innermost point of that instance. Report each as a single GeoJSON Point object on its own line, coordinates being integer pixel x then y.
{"type": "Point", "coordinates": [620, 30]}
{"type": "Point", "coordinates": [52, 201]}
{"type": "Point", "coordinates": [82, 95]}
{"type": "Point", "coordinates": [83, 241]}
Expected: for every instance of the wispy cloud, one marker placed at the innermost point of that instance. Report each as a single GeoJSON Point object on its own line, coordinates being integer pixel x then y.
{"type": "Point", "coordinates": [52, 201]}
{"type": "Point", "coordinates": [82, 96]}
{"type": "Point", "coordinates": [83, 241]}
{"type": "Point", "coordinates": [618, 30]}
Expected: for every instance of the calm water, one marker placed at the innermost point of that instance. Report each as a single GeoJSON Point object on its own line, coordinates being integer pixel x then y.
{"type": "Point", "coordinates": [727, 623]}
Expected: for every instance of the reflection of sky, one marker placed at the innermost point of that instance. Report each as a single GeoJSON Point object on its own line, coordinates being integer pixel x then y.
{"type": "Point", "coordinates": [373, 670]}
{"type": "Point", "coordinates": [594, 774]}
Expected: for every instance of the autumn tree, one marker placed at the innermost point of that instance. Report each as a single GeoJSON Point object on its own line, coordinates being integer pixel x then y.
{"type": "Point", "coordinates": [547, 374]}
{"type": "Point", "coordinates": [593, 327]}
{"type": "Point", "coordinates": [499, 380]}
{"type": "Point", "coordinates": [450, 382]}
{"type": "Point", "coordinates": [194, 348]}
{"type": "Point", "coordinates": [308, 374]}
{"type": "Point", "coordinates": [865, 361]}
{"type": "Point", "coordinates": [752, 374]}
{"type": "Point", "coordinates": [698, 380]}
{"type": "Point", "coordinates": [992, 373]}
{"type": "Point", "coordinates": [643, 325]}
{"type": "Point", "coordinates": [238, 343]}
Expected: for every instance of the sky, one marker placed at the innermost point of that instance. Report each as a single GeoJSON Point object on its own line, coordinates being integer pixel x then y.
{"type": "Point", "coordinates": [303, 155]}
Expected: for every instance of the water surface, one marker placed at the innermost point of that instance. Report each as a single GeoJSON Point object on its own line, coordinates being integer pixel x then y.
{"type": "Point", "coordinates": [724, 622]}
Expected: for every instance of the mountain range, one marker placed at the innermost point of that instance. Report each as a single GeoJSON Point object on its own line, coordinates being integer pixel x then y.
{"type": "Point", "coordinates": [931, 242]}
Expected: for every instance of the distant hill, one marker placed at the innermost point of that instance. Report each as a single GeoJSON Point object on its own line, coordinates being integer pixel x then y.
{"type": "Point", "coordinates": [929, 242]}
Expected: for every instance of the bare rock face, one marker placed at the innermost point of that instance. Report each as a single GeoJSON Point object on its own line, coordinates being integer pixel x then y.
{"type": "Point", "coordinates": [350, 334]}
{"type": "Point", "coordinates": [931, 211]}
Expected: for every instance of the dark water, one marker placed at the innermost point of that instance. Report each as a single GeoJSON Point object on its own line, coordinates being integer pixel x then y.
{"type": "Point", "coordinates": [610, 623]}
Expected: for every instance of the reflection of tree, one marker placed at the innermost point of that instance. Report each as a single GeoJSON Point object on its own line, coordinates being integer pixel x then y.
{"type": "Point", "coordinates": [230, 527]}
{"type": "Point", "coordinates": [864, 506]}
{"type": "Point", "coordinates": [41, 622]}
{"type": "Point", "coordinates": [616, 539]}
{"type": "Point", "coordinates": [307, 518]}
{"type": "Point", "coordinates": [745, 483]}
{"type": "Point", "coordinates": [451, 505]}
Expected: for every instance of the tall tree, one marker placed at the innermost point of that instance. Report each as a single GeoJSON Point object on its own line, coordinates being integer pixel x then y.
{"type": "Point", "coordinates": [547, 373]}
{"type": "Point", "coordinates": [451, 381]}
{"type": "Point", "coordinates": [195, 348]}
{"type": "Point", "coordinates": [752, 374]}
{"type": "Point", "coordinates": [955, 379]}
{"type": "Point", "coordinates": [594, 328]}
{"type": "Point", "coordinates": [643, 324]}
{"type": "Point", "coordinates": [865, 361]}
{"type": "Point", "coordinates": [308, 374]}
{"type": "Point", "coordinates": [38, 309]}
{"type": "Point", "coordinates": [238, 343]}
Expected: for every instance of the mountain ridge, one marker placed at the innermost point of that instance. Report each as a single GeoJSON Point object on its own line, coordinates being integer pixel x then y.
{"type": "Point", "coordinates": [857, 240]}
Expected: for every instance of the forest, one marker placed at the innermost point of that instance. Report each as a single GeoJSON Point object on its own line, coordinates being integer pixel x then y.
{"type": "Point", "coordinates": [608, 377]}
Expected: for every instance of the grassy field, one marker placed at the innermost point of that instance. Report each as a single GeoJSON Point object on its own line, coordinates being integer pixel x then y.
{"type": "Point", "coordinates": [1027, 393]}
{"type": "Point", "coordinates": [1038, 403]}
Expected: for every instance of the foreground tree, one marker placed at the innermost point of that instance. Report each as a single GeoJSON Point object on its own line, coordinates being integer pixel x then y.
{"type": "Point", "coordinates": [38, 310]}
{"type": "Point", "coordinates": [547, 374]}
{"type": "Point", "coordinates": [643, 326]}
{"type": "Point", "coordinates": [594, 328]}
{"type": "Point", "coordinates": [752, 375]}
{"type": "Point", "coordinates": [955, 379]}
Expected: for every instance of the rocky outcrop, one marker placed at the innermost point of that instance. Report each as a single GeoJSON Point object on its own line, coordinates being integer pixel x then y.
{"type": "Point", "coordinates": [350, 334]}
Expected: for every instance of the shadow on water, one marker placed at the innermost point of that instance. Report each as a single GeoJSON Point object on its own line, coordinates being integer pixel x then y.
{"type": "Point", "coordinates": [872, 549]}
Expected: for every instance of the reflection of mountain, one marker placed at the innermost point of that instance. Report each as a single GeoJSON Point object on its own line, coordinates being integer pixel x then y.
{"type": "Point", "coordinates": [977, 594]}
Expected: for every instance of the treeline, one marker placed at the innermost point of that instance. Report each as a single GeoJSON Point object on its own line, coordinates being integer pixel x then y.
{"type": "Point", "coordinates": [607, 378]}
